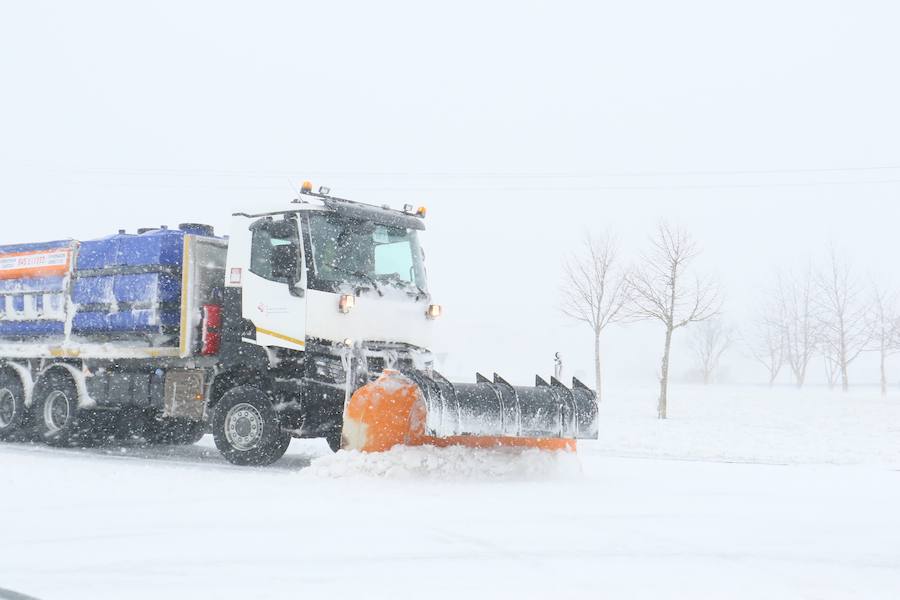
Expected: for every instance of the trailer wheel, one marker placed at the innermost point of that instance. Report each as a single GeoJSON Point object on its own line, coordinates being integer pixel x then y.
{"type": "Point", "coordinates": [57, 418]}
{"type": "Point", "coordinates": [12, 406]}
{"type": "Point", "coordinates": [246, 429]}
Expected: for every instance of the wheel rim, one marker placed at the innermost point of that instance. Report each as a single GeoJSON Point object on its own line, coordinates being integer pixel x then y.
{"type": "Point", "coordinates": [7, 408]}
{"type": "Point", "coordinates": [243, 426]}
{"type": "Point", "coordinates": [56, 411]}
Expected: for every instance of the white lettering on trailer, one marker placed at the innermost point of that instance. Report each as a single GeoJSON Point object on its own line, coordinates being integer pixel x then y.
{"type": "Point", "coordinates": [36, 260]}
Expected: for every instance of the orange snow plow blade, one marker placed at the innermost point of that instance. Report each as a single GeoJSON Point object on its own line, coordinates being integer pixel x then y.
{"type": "Point", "coordinates": [413, 410]}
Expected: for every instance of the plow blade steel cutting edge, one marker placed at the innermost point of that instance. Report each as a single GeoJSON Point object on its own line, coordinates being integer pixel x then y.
{"type": "Point", "coordinates": [415, 409]}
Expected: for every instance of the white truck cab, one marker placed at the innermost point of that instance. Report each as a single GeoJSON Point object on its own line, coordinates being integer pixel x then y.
{"type": "Point", "coordinates": [331, 271]}
{"type": "Point", "coordinates": [328, 292]}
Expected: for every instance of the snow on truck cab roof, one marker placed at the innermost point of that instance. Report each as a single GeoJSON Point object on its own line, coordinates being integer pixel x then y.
{"type": "Point", "coordinates": [324, 202]}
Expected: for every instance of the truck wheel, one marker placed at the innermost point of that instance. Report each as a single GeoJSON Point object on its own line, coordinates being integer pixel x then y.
{"type": "Point", "coordinates": [55, 410]}
{"type": "Point", "coordinates": [12, 406]}
{"type": "Point", "coordinates": [246, 428]}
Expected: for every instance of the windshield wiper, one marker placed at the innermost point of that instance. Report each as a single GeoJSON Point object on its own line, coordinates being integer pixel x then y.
{"type": "Point", "coordinates": [422, 292]}
{"type": "Point", "coordinates": [362, 275]}
{"type": "Point", "coordinates": [407, 284]}
{"type": "Point", "coordinates": [368, 277]}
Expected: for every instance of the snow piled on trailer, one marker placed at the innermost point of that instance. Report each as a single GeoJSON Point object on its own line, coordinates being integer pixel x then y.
{"type": "Point", "coordinates": [744, 493]}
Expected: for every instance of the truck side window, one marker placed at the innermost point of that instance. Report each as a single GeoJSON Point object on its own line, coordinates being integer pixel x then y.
{"type": "Point", "coordinates": [275, 250]}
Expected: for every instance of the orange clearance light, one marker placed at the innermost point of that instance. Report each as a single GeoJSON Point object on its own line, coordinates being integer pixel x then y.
{"type": "Point", "coordinates": [421, 212]}
{"type": "Point", "coordinates": [307, 187]}
{"type": "Point", "coordinates": [346, 302]}
{"type": "Point", "coordinates": [434, 311]}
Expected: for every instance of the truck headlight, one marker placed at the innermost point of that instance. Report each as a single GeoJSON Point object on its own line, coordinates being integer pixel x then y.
{"type": "Point", "coordinates": [347, 302]}
{"type": "Point", "coordinates": [434, 311]}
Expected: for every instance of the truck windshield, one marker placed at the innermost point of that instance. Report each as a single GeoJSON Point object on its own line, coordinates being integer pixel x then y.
{"type": "Point", "coordinates": [346, 250]}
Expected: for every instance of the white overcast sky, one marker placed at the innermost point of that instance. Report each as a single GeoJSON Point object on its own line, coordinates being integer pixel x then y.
{"type": "Point", "coordinates": [765, 128]}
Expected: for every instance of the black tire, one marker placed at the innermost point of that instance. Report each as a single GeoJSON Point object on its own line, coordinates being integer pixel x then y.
{"type": "Point", "coordinates": [13, 412]}
{"type": "Point", "coordinates": [246, 428]}
{"type": "Point", "coordinates": [333, 438]}
{"type": "Point", "coordinates": [54, 411]}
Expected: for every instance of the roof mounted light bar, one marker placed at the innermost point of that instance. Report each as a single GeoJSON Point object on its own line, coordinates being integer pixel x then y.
{"type": "Point", "coordinates": [384, 213]}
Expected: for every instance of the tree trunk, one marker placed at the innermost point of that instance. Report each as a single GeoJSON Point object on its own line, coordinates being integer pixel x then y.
{"type": "Point", "coordinates": [664, 377]}
{"type": "Point", "coordinates": [883, 376]}
{"type": "Point", "coordinates": [845, 379]}
{"type": "Point", "coordinates": [597, 376]}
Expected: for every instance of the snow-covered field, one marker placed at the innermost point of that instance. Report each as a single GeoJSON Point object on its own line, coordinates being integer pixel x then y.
{"type": "Point", "coordinates": [743, 493]}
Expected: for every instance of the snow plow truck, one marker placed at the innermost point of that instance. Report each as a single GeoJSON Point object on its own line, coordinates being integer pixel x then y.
{"type": "Point", "coordinates": [312, 319]}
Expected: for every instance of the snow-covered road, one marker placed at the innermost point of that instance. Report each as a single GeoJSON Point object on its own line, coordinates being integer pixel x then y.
{"type": "Point", "coordinates": [181, 523]}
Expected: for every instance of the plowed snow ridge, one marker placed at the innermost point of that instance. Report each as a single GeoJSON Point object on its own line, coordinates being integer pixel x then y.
{"type": "Point", "coordinates": [448, 463]}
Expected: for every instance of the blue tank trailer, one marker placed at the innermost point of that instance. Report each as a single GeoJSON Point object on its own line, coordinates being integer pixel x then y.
{"type": "Point", "coordinates": [124, 327]}
{"type": "Point", "coordinates": [119, 287]}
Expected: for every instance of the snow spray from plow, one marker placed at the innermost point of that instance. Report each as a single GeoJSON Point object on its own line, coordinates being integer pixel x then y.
{"type": "Point", "coordinates": [415, 409]}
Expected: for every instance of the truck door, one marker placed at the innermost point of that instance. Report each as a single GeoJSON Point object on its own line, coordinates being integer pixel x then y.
{"type": "Point", "coordinates": [274, 294]}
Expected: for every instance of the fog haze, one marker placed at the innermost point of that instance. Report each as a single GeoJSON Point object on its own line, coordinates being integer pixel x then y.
{"type": "Point", "coordinates": [767, 130]}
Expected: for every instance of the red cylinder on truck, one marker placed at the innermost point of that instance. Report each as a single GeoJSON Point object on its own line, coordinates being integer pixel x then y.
{"type": "Point", "coordinates": [211, 337]}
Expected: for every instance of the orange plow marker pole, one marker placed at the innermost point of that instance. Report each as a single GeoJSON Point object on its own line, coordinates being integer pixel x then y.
{"type": "Point", "coordinates": [390, 412]}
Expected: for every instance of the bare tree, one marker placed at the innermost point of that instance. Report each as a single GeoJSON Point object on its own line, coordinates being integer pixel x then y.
{"type": "Point", "coordinates": [800, 325]}
{"type": "Point", "coordinates": [593, 290]}
{"type": "Point", "coordinates": [843, 315]}
{"type": "Point", "coordinates": [661, 289]}
{"type": "Point", "coordinates": [884, 325]}
{"type": "Point", "coordinates": [766, 341]}
{"type": "Point", "coordinates": [709, 341]}
{"type": "Point", "coordinates": [832, 370]}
